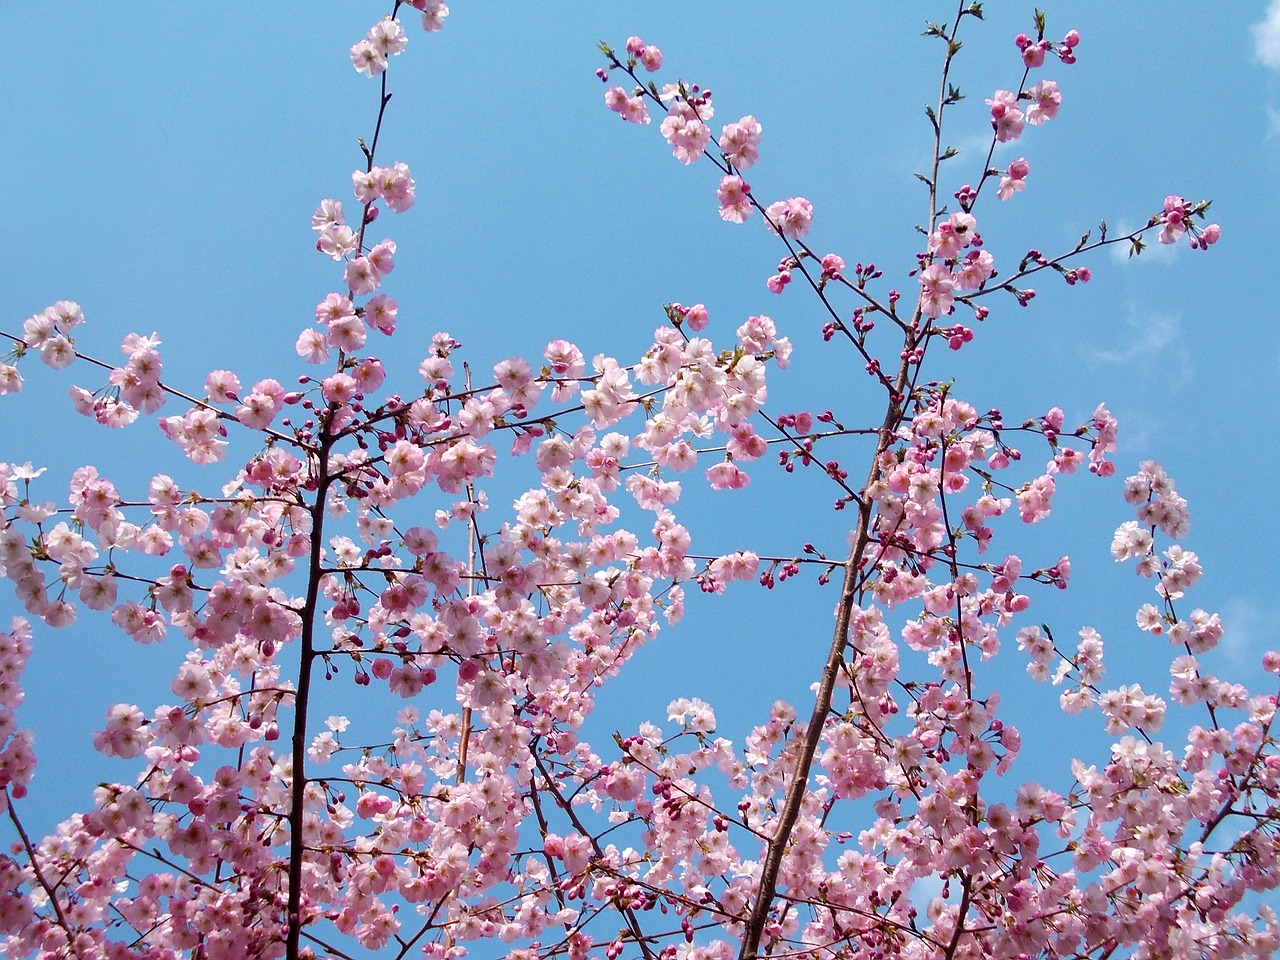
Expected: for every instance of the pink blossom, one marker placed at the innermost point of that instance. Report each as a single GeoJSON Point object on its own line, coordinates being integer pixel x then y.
{"type": "Point", "coordinates": [1005, 116]}
{"type": "Point", "coordinates": [311, 346]}
{"type": "Point", "coordinates": [734, 195]}
{"type": "Point", "coordinates": [37, 329]}
{"type": "Point", "coordinates": [1208, 236]}
{"type": "Point", "coordinates": [740, 142]}
{"type": "Point", "coordinates": [936, 290]}
{"type": "Point", "coordinates": [368, 59]}
{"type": "Point", "coordinates": [725, 476]}
{"type": "Point", "coordinates": [57, 352]}
{"type": "Point", "coordinates": [697, 317]}
{"type": "Point", "coordinates": [1034, 501]}
{"type": "Point", "coordinates": [1014, 179]}
{"type": "Point", "coordinates": [1174, 216]}
{"type": "Point", "coordinates": [221, 386]}
{"type": "Point", "coordinates": [67, 315]}
{"type": "Point", "coordinates": [257, 411]}
{"type": "Point", "coordinates": [339, 388]}
{"type": "Point", "coordinates": [614, 98]}
{"type": "Point", "coordinates": [633, 109]}
{"type": "Point", "coordinates": [396, 186]}
{"type": "Point", "coordinates": [433, 14]}
{"type": "Point", "coordinates": [953, 235]}
{"type": "Point", "coordinates": [366, 186]}
{"type": "Point", "coordinates": [360, 276]}
{"type": "Point", "coordinates": [382, 257]}
{"type": "Point", "coordinates": [336, 241]}
{"type": "Point", "coordinates": [328, 214]}
{"type": "Point", "coordinates": [388, 36]}
{"type": "Point", "coordinates": [686, 131]}
{"type": "Point", "coordinates": [1046, 100]}
{"type": "Point", "coordinates": [791, 217]}
{"type": "Point", "coordinates": [973, 270]}
{"type": "Point", "coordinates": [1033, 54]}
{"type": "Point", "coordinates": [334, 307]}
{"type": "Point", "coordinates": [347, 335]}
{"type": "Point", "coordinates": [380, 314]}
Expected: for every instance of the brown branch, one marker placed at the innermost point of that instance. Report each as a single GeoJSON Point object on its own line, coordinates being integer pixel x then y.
{"type": "Point", "coordinates": [35, 868]}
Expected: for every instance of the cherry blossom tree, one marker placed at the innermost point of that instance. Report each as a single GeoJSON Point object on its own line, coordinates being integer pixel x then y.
{"type": "Point", "coordinates": [353, 541]}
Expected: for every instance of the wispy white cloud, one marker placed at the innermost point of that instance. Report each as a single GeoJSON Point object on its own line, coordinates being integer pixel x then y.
{"type": "Point", "coordinates": [1242, 632]}
{"type": "Point", "coordinates": [1153, 252]}
{"type": "Point", "coordinates": [1273, 124]}
{"type": "Point", "coordinates": [1145, 340]}
{"type": "Point", "coordinates": [1266, 37]}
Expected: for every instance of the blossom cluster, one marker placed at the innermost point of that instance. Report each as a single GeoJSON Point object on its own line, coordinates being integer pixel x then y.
{"type": "Point", "coordinates": [358, 535]}
{"type": "Point", "coordinates": [17, 757]}
{"type": "Point", "coordinates": [387, 38]}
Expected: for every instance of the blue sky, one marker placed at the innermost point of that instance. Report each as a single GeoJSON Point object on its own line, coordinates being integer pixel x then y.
{"type": "Point", "coordinates": [163, 170]}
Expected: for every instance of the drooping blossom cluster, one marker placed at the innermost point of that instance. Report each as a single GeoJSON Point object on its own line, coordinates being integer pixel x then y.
{"type": "Point", "coordinates": [1176, 222]}
{"type": "Point", "coordinates": [17, 757]}
{"type": "Point", "coordinates": [1014, 179]}
{"type": "Point", "coordinates": [355, 539]}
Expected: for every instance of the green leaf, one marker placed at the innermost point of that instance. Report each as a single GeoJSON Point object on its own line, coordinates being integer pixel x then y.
{"type": "Point", "coordinates": [975, 10]}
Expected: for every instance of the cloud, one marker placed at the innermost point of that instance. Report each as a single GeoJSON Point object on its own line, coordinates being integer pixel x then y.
{"type": "Point", "coordinates": [1147, 339]}
{"type": "Point", "coordinates": [1153, 252]}
{"type": "Point", "coordinates": [1242, 631]}
{"type": "Point", "coordinates": [1266, 37]}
